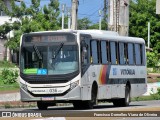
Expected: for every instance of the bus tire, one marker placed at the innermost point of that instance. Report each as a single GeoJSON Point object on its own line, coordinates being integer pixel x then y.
{"type": "Point", "coordinates": [90, 103]}
{"type": "Point", "coordinates": [117, 102]}
{"type": "Point", "coordinates": [42, 105]}
{"type": "Point", "coordinates": [78, 105]}
{"type": "Point", "coordinates": [125, 101]}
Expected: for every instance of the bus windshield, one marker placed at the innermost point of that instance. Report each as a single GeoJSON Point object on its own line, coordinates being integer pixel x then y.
{"type": "Point", "coordinates": [49, 59]}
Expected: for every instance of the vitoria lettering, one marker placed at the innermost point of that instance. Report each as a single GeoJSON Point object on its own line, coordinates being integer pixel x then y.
{"type": "Point", "coordinates": [127, 72]}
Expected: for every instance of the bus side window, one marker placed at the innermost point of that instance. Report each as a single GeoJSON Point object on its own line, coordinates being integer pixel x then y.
{"type": "Point", "coordinates": [130, 54]}
{"type": "Point", "coordinates": [109, 52]}
{"type": "Point", "coordinates": [113, 52]}
{"type": "Point", "coordinates": [94, 52]}
{"type": "Point", "coordinates": [84, 52]}
{"type": "Point", "coordinates": [121, 53]}
{"type": "Point", "coordinates": [117, 53]}
{"type": "Point", "coordinates": [126, 53]}
{"type": "Point", "coordinates": [104, 51]}
{"type": "Point", "coordinates": [143, 55]}
{"type": "Point", "coordinates": [137, 54]}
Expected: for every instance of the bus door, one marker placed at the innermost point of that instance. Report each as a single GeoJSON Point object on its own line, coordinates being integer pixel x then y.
{"type": "Point", "coordinates": [85, 59]}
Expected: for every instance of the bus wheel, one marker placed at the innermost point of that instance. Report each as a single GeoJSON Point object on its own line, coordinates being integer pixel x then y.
{"type": "Point", "coordinates": [126, 100]}
{"type": "Point", "coordinates": [78, 104]}
{"type": "Point", "coordinates": [42, 105]}
{"type": "Point", "coordinates": [117, 102]}
{"type": "Point", "coordinates": [89, 104]}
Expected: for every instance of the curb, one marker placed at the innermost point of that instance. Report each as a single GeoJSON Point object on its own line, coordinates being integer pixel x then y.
{"type": "Point", "coordinates": [17, 104]}
{"type": "Point", "coordinates": [10, 97]}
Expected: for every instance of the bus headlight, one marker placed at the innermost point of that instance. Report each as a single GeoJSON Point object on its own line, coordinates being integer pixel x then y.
{"type": "Point", "coordinates": [23, 86]}
{"type": "Point", "coordinates": [74, 84]}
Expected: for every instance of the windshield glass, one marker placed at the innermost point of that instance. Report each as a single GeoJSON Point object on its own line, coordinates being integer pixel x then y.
{"type": "Point", "coordinates": [63, 61]}
{"type": "Point", "coordinates": [51, 59]}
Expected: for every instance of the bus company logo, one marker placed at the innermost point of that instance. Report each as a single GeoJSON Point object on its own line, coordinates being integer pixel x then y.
{"type": "Point", "coordinates": [114, 71]}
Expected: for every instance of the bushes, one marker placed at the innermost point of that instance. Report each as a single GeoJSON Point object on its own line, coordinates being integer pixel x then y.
{"type": "Point", "coordinates": [156, 96]}
{"type": "Point", "coordinates": [4, 64]}
{"type": "Point", "coordinates": [9, 76]}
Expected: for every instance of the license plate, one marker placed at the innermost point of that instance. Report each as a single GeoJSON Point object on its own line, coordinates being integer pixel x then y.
{"type": "Point", "coordinates": [48, 98]}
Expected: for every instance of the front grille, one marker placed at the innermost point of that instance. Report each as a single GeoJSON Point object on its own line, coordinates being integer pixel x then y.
{"type": "Point", "coordinates": [48, 79]}
{"type": "Point", "coordinates": [50, 95]}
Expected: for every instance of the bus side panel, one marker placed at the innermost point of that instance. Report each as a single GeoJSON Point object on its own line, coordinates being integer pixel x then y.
{"type": "Point", "coordinates": [138, 89]}
{"type": "Point", "coordinates": [120, 75]}
{"type": "Point", "coordinates": [104, 92]}
{"type": "Point", "coordinates": [112, 80]}
{"type": "Point", "coordinates": [86, 92]}
{"type": "Point", "coordinates": [90, 75]}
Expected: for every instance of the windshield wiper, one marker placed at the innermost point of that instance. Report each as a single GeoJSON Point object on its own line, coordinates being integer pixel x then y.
{"type": "Point", "coordinates": [58, 50]}
{"type": "Point", "coordinates": [37, 52]}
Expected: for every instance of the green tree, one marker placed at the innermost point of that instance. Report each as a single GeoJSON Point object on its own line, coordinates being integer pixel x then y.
{"type": "Point", "coordinates": [65, 22]}
{"type": "Point", "coordinates": [152, 59]}
{"type": "Point", "coordinates": [83, 23]}
{"type": "Point", "coordinates": [96, 25]}
{"type": "Point", "coordinates": [30, 19]}
{"type": "Point", "coordinates": [142, 12]}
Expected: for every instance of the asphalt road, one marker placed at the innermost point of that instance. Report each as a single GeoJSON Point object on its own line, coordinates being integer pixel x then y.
{"type": "Point", "coordinates": [142, 110]}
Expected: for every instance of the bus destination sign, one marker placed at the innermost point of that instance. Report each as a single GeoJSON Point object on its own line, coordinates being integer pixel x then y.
{"type": "Point", "coordinates": [53, 38]}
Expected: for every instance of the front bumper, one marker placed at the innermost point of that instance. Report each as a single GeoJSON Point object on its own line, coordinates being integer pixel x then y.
{"type": "Point", "coordinates": [71, 95]}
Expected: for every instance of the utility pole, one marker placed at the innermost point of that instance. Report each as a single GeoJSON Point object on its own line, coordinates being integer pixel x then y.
{"type": "Point", "coordinates": [157, 6]}
{"type": "Point", "coordinates": [74, 14]}
{"type": "Point", "coordinates": [105, 12]}
{"type": "Point", "coordinates": [100, 19]}
{"type": "Point", "coordinates": [63, 9]}
{"type": "Point", "coordinates": [69, 17]}
{"type": "Point", "coordinates": [148, 34]}
{"type": "Point", "coordinates": [118, 19]}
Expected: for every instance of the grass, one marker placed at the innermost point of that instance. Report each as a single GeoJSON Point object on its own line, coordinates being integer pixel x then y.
{"type": "Point", "coordinates": [155, 96]}
{"type": "Point", "coordinates": [12, 87]}
{"type": "Point", "coordinates": [158, 79]}
{"type": "Point", "coordinates": [8, 87]}
{"type": "Point", "coordinates": [142, 98]}
{"type": "Point", "coordinates": [6, 64]}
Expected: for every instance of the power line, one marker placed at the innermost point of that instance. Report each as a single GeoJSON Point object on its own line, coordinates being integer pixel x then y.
{"type": "Point", "coordinates": [86, 14]}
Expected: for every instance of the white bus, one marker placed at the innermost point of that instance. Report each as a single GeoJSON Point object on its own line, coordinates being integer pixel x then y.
{"type": "Point", "coordinates": [81, 67]}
